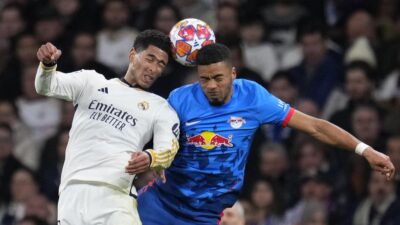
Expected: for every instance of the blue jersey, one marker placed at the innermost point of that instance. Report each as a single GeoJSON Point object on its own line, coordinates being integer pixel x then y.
{"type": "Point", "coordinates": [208, 170]}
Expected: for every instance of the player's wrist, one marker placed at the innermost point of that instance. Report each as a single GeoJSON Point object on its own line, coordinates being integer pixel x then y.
{"type": "Point", "coordinates": [49, 63]}
{"type": "Point", "coordinates": [48, 66]}
{"type": "Point", "coordinates": [361, 148]}
{"type": "Point", "coordinates": [151, 156]}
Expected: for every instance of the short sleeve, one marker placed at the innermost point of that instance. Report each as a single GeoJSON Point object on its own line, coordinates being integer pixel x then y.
{"type": "Point", "coordinates": [271, 109]}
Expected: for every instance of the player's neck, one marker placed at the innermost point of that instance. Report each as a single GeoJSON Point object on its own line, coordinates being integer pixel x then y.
{"type": "Point", "coordinates": [228, 97]}
{"type": "Point", "coordinates": [130, 80]}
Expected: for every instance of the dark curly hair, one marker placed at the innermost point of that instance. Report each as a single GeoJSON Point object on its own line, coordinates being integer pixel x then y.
{"type": "Point", "coordinates": [152, 37]}
{"type": "Point", "coordinates": [213, 53]}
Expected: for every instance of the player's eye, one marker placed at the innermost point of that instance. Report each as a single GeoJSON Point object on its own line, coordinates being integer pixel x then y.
{"type": "Point", "coordinates": [161, 65]}
{"type": "Point", "coordinates": [203, 79]}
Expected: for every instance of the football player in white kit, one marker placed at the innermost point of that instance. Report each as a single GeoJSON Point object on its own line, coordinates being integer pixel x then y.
{"type": "Point", "coordinates": [113, 119]}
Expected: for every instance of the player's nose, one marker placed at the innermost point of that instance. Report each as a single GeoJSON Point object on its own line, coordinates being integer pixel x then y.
{"type": "Point", "coordinates": [212, 84]}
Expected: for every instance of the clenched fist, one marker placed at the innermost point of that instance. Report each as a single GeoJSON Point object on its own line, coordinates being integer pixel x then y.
{"type": "Point", "coordinates": [48, 53]}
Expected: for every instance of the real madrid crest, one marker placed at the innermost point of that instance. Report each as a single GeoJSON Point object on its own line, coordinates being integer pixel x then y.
{"type": "Point", "coordinates": [143, 105]}
{"type": "Point", "coordinates": [236, 122]}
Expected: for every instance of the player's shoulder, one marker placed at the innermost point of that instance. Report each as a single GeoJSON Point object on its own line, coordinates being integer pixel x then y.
{"type": "Point", "coordinates": [245, 85]}
{"type": "Point", "coordinates": [89, 74]}
{"type": "Point", "coordinates": [184, 91]}
{"type": "Point", "coordinates": [153, 98]}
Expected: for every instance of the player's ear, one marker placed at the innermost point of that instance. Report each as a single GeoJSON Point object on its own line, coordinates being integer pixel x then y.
{"type": "Point", "coordinates": [233, 73]}
{"type": "Point", "coordinates": [132, 54]}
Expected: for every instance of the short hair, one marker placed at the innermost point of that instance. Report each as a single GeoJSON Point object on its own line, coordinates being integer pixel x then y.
{"type": "Point", "coordinates": [213, 53]}
{"type": "Point", "coordinates": [152, 37]}
{"type": "Point", "coordinates": [284, 74]}
{"type": "Point", "coordinates": [366, 68]}
{"type": "Point", "coordinates": [6, 127]}
{"type": "Point", "coordinates": [273, 147]}
{"type": "Point", "coordinates": [311, 27]}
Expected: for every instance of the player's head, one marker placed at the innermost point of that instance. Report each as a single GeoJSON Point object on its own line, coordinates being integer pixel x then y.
{"type": "Point", "coordinates": [148, 58]}
{"type": "Point", "coordinates": [216, 73]}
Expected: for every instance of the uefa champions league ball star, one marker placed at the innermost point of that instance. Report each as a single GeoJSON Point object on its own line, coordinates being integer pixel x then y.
{"type": "Point", "coordinates": [188, 36]}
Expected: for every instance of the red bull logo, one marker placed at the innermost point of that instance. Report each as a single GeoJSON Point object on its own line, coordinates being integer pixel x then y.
{"type": "Point", "coordinates": [209, 140]}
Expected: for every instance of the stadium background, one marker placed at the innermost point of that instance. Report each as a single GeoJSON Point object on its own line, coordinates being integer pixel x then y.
{"type": "Point", "coordinates": [334, 59]}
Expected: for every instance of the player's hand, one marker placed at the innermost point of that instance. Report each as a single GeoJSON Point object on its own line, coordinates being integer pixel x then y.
{"type": "Point", "coordinates": [139, 163]}
{"type": "Point", "coordinates": [160, 175]}
{"type": "Point", "coordinates": [48, 53]}
{"type": "Point", "coordinates": [380, 162]}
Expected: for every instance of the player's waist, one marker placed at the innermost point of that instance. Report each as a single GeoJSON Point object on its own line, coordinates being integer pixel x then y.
{"type": "Point", "coordinates": [114, 177]}
{"type": "Point", "coordinates": [197, 205]}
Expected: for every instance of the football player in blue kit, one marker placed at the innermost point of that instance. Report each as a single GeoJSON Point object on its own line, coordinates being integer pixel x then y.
{"type": "Point", "coordinates": [219, 116]}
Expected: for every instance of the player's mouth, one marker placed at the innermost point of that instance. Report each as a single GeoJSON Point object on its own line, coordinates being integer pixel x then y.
{"type": "Point", "coordinates": [148, 79]}
{"type": "Point", "coordinates": [213, 94]}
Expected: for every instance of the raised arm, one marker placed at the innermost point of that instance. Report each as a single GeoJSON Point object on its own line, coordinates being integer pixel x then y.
{"type": "Point", "coordinates": [331, 134]}
{"type": "Point", "coordinates": [48, 55]}
{"type": "Point", "coordinates": [52, 83]}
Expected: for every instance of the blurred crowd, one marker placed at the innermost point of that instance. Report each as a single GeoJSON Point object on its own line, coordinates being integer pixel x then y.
{"type": "Point", "coordinates": [334, 59]}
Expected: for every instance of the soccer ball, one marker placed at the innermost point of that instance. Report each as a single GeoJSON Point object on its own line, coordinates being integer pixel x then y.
{"type": "Point", "coordinates": [187, 37]}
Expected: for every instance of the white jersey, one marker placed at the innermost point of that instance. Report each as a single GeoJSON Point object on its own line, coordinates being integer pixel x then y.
{"type": "Point", "coordinates": [111, 121]}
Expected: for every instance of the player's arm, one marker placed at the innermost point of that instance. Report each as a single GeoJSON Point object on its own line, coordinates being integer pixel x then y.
{"type": "Point", "coordinates": [52, 83]}
{"type": "Point", "coordinates": [331, 134]}
{"type": "Point", "coordinates": [165, 142]}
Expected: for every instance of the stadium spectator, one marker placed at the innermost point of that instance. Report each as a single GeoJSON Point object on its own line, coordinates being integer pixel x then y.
{"type": "Point", "coordinates": [314, 214]}
{"type": "Point", "coordinates": [49, 27]}
{"type": "Point", "coordinates": [83, 56]}
{"type": "Point", "coordinates": [23, 186]}
{"type": "Point", "coordinates": [116, 36]}
{"type": "Point", "coordinates": [200, 9]}
{"type": "Point", "coordinates": [359, 89]}
{"type": "Point", "coordinates": [282, 19]}
{"type": "Point", "coordinates": [39, 206]}
{"type": "Point", "coordinates": [25, 148]}
{"type": "Point", "coordinates": [367, 125]}
{"type": "Point", "coordinates": [164, 17]}
{"type": "Point", "coordinates": [12, 21]}
{"type": "Point", "coordinates": [259, 55]}
{"type": "Point", "coordinates": [31, 221]}
{"type": "Point", "coordinates": [77, 15]}
{"type": "Point", "coordinates": [8, 163]}
{"type": "Point", "coordinates": [51, 163]}
{"type": "Point", "coordinates": [23, 56]}
{"type": "Point", "coordinates": [393, 150]}
{"type": "Point", "coordinates": [321, 69]}
{"type": "Point", "coordinates": [265, 204]}
{"type": "Point", "coordinates": [313, 188]}
{"type": "Point", "coordinates": [228, 26]}
{"type": "Point", "coordinates": [381, 206]}
{"type": "Point", "coordinates": [41, 115]}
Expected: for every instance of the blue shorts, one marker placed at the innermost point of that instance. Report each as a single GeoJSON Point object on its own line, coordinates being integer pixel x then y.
{"type": "Point", "coordinates": [156, 210]}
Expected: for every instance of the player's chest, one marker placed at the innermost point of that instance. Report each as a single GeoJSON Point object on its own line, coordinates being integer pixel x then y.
{"type": "Point", "coordinates": [210, 130]}
{"type": "Point", "coordinates": [124, 111]}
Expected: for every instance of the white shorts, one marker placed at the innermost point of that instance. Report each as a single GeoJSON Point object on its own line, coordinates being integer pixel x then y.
{"type": "Point", "coordinates": [96, 204]}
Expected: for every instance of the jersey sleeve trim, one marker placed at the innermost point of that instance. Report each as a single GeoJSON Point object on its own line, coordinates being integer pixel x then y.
{"type": "Point", "coordinates": [162, 158]}
{"type": "Point", "coordinates": [48, 68]}
{"type": "Point", "coordinates": [288, 117]}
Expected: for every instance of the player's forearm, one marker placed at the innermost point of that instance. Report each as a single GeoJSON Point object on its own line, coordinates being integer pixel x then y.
{"type": "Point", "coordinates": [162, 158]}
{"type": "Point", "coordinates": [43, 79]}
{"type": "Point", "coordinates": [329, 133]}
